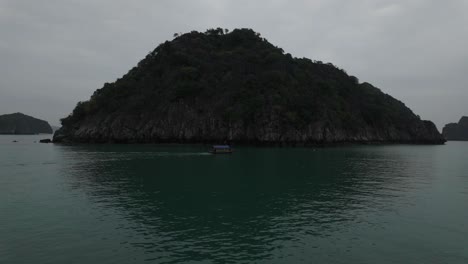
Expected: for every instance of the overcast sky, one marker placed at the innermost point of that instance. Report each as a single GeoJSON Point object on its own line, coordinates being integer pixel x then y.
{"type": "Point", "coordinates": [55, 53]}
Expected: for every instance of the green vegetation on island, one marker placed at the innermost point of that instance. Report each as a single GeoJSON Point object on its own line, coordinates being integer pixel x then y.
{"type": "Point", "coordinates": [218, 86]}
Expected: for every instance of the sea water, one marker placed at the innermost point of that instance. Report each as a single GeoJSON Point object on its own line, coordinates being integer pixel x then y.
{"type": "Point", "coordinates": [180, 204]}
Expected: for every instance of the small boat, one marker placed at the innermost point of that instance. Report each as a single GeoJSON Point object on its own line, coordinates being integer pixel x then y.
{"type": "Point", "coordinates": [221, 149]}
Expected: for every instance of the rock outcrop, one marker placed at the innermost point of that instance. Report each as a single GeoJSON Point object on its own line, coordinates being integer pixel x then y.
{"type": "Point", "coordinates": [237, 87]}
{"type": "Point", "coordinates": [456, 131]}
{"type": "Point", "coordinates": [18, 124]}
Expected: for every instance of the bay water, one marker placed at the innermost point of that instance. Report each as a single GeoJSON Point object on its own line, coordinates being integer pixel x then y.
{"type": "Point", "coordinates": [180, 204]}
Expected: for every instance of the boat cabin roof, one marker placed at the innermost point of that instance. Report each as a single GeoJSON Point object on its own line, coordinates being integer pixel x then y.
{"type": "Point", "coordinates": [221, 147]}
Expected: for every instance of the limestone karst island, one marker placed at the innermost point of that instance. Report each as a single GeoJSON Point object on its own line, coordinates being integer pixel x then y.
{"type": "Point", "coordinates": [218, 86]}
{"type": "Point", "coordinates": [457, 131]}
{"type": "Point", "coordinates": [21, 124]}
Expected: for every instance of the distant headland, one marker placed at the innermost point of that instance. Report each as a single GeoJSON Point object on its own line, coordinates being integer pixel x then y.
{"type": "Point", "coordinates": [457, 131]}
{"type": "Point", "coordinates": [21, 124]}
{"type": "Point", "coordinates": [218, 86]}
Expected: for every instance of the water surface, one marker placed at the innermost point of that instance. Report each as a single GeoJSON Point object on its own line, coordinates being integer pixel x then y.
{"type": "Point", "coordinates": [179, 204]}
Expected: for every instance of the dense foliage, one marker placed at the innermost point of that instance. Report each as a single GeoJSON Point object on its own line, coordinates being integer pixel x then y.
{"type": "Point", "coordinates": [239, 77]}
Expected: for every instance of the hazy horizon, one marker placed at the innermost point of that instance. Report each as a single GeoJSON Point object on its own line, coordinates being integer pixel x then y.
{"type": "Point", "coordinates": [58, 54]}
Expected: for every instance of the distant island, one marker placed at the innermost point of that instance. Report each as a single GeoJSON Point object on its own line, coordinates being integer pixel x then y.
{"type": "Point", "coordinates": [21, 124]}
{"type": "Point", "coordinates": [220, 86]}
{"type": "Point", "coordinates": [457, 131]}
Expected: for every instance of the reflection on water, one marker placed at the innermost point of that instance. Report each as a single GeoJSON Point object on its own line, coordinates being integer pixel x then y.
{"type": "Point", "coordinates": [187, 205]}
{"type": "Point", "coordinates": [176, 204]}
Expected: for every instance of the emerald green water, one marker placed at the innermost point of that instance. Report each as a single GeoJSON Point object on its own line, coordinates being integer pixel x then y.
{"type": "Point", "coordinates": [179, 204]}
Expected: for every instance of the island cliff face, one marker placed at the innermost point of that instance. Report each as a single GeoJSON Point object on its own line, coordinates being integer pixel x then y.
{"type": "Point", "coordinates": [18, 124]}
{"type": "Point", "coordinates": [457, 131]}
{"type": "Point", "coordinates": [237, 87]}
